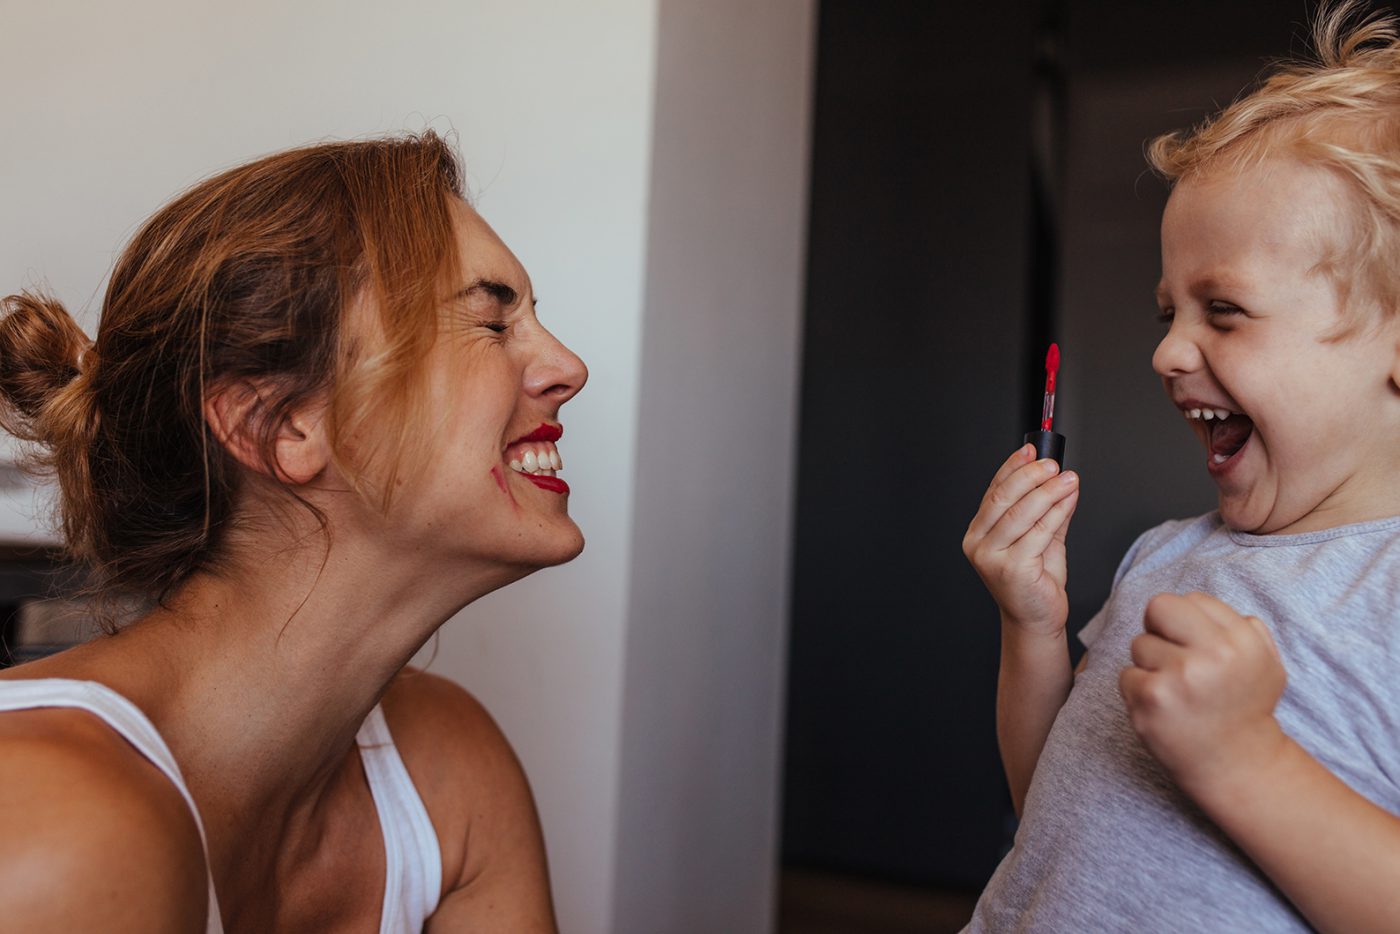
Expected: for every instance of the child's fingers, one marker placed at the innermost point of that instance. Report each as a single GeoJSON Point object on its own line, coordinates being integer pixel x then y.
{"type": "Point", "coordinates": [1062, 532]}
{"type": "Point", "coordinates": [1178, 619]}
{"type": "Point", "coordinates": [1261, 629]}
{"type": "Point", "coordinates": [1018, 520]}
{"type": "Point", "coordinates": [1133, 686]}
{"type": "Point", "coordinates": [1020, 457]}
{"type": "Point", "coordinates": [1153, 653]}
{"type": "Point", "coordinates": [1051, 525]}
{"type": "Point", "coordinates": [1228, 617]}
{"type": "Point", "coordinates": [1007, 493]}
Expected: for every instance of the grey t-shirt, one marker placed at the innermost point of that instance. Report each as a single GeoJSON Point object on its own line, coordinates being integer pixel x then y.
{"type": "Point", "coordinates": [1107, 842]}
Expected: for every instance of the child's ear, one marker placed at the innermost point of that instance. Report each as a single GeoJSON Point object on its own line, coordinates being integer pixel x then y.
{"type": "Point", "coordinates": [300, 447]}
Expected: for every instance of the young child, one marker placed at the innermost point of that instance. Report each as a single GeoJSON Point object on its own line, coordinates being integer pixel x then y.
{"type": "Point", "coordinates": [1228, 758]}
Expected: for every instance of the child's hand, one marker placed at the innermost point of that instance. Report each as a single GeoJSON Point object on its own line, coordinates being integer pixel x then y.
{"type": "Point", "coordinates": [1202, 688]}
{"type": "Point", "coordinates": [1017, 540]}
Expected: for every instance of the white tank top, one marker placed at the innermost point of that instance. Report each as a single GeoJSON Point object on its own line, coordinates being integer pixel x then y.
{"type": "Point", "coordinates": [413, 863]}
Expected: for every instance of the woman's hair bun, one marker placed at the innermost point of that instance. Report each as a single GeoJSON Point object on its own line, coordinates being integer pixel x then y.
{"type": "Point", "coordinates": [41, 353]}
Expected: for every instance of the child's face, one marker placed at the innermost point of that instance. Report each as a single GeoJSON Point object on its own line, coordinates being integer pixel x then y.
{"type": "Point", "coordinates": [1310, 441]}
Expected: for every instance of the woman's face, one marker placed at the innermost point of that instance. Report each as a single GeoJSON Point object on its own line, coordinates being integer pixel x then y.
{"type": "Point", "coordinates": [496, 379]}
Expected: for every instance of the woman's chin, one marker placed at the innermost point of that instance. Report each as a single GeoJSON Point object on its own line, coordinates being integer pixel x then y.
{"type": "Point", "coordinates": [563, 547]}
{"type": "Point", "coordinates": [570, 550]}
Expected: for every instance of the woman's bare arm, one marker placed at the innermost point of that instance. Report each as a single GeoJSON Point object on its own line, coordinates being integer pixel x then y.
{"type": "Point", "coordinates": [95, 837]}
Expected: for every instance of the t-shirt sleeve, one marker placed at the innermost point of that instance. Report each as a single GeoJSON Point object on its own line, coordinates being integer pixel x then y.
{"type": "Point", "coordinates": [1095, 626]}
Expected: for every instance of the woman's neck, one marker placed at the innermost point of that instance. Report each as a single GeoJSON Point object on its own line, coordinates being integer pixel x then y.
{"type": "Point", "coordinates": [259, 678]}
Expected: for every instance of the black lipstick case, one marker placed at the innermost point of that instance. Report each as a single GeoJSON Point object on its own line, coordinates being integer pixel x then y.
{"type": "Point", "coordinates": [1049, 444]}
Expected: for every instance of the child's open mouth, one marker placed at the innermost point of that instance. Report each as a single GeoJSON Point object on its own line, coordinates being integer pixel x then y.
{"type": "Point", "coordinates": [1225, 433]}
{"type": "Point", "coordinates": [1226, 438]}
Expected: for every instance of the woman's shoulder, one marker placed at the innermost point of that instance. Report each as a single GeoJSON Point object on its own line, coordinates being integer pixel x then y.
{"type": "Point", "coordinates": [420, 702]}
{"type": "Point", "coordinates": [87, 817]}
{"type": "Point", "coordinates": [448, 739]}
{"type": "Point", "coordinates": [473, 787]}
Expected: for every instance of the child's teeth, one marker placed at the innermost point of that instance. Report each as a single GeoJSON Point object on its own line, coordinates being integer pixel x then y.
{"type": "Point", "coordinates": [1207, 414]}
{"type": "Point", "coordinates": [1222, 414]}
{"type": "Point", "coordinates": [1219, 458]}
{"type": "Point", "coordinates": [1194, 413]}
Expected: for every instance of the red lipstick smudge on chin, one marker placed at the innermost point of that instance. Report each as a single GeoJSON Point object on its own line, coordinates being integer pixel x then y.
{"type": "Point", "coordinates": [500, 479]}
{"type": "Point", "coordinates": [552, 484]}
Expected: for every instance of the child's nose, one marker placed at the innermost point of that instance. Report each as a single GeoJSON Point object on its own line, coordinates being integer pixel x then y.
{"type": "Point", "coordinates": [1177, 354]}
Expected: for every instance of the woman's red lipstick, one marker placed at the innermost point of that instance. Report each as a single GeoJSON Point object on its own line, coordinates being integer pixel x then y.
{"type": "Point", "coordinates": [552, 484]}
{"type": "Point", "coordinates": [549, 433]}
{"type": "Point", "coordinates": [545, 432]}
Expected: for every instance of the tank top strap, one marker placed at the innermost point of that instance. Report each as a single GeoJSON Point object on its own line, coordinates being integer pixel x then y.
{"type": "Point", "coordinates": [413, 861]}
{"type": "Point", "coordinates": [130, 723]}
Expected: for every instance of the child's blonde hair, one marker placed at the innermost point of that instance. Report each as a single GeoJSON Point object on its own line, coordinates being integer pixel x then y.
{"type": "Point", "coordinates": [1341, 111]}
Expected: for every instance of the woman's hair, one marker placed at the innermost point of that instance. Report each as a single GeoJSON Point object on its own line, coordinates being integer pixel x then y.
{"type": "Point", "coordinates": [244, 280]}
{"type": "Point", "coordinates": [1339, 110]}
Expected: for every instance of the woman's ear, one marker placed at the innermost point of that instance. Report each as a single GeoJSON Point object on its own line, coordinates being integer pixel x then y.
{"type": "Point", "coordinates": [301, 449]}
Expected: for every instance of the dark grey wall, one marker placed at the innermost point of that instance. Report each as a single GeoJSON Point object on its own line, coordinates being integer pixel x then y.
{"type": "Point", "coordinates": [925, 311]}
{"type": "Point", "coordinates": [911, 390]}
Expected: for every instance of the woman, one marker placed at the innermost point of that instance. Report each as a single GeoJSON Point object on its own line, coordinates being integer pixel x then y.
{"type": "Point", "coordinates": [317, 420]}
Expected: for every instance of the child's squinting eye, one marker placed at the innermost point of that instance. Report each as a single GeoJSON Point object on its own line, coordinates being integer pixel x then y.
{"type": "Point", "coordinates": [1223, 308]}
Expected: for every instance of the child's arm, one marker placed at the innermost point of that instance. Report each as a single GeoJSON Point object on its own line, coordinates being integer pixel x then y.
{"type": "Point", "coordinates": [1017, 544]}
{"type": "Point", "coordinates": [1201, 693]}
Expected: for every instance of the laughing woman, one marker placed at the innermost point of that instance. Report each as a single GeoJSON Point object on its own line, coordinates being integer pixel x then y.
{"type": "Point", "coordinates": [318, 420]}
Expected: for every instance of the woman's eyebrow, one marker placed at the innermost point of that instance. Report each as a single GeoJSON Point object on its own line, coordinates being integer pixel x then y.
{"type": "Point", "coordinates": [499, 291]}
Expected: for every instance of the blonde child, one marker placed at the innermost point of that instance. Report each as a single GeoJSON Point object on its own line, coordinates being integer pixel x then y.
{"type": "Point", "coordinates": [1227, 757]}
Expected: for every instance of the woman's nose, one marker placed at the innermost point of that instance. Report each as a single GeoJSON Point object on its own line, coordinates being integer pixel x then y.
{"type": "Point", "coordinates": [1177, 354]}
{"type": "Point", "coordinates": [557, 372]}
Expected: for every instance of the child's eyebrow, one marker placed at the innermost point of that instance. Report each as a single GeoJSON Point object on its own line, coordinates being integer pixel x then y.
{"type": "Point", "coordinates": [1209, 284]}
{"type": "Point", "coordinates": [1217, 283]}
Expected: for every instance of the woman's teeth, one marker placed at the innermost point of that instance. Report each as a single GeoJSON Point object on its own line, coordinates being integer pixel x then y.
{"type": "Point", "coordinates": [540, 459]}
{"type": "Point", "coordinates": [1207, 414]}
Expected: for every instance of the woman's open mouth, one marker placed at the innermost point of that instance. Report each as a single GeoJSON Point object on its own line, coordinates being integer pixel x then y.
{"type": "Point", "coordinates": [537, 459]}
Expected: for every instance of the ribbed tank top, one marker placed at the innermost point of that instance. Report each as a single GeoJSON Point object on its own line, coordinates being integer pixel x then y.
{"type": "Point", "coordinates": [413, 863]}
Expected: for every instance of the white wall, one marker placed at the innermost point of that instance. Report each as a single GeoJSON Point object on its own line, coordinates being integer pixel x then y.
{"type": "Point", "coordinates": [110, 109]}
{"type": "Point", "coordinates": [707, 627]}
